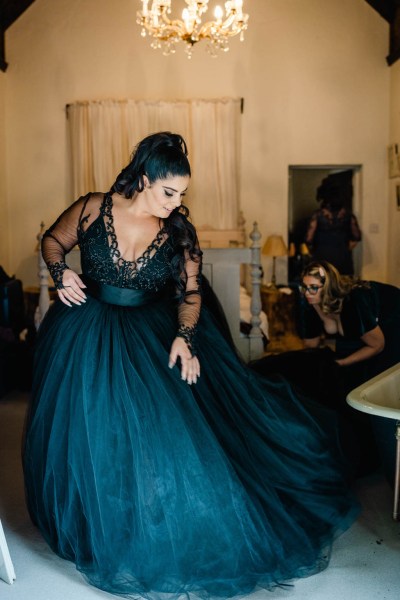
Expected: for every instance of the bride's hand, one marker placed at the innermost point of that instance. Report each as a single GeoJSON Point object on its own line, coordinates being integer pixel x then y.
{"type": "Point", "coordinates": [190, 366]}
{"type": "Point", "coordinates": [72, 290]}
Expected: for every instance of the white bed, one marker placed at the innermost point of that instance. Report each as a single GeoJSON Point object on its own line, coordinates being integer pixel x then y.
{"type": "Point", "coordinates": [224, 258]}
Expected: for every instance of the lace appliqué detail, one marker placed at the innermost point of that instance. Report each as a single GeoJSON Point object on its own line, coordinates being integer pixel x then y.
{"type": "Point", "coordinates": [187, 333]}
{"type": "Point", "coordinates": [56, 271]}
{"type": "Point", "coordinates": [127, 269]}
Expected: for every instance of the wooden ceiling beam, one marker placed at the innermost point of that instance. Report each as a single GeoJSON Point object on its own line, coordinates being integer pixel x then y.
{"type": "Point", "coordinates": [3, 64]}
{"type": "Point", "coordinates": [10, 10]}
{"type": "Point", "coordinates": [390, 11]}
{"type": "Point", "coordinates": [386, 8]}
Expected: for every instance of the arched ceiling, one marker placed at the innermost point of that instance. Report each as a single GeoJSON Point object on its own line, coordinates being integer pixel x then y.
{"type": "Point", "coordinates": [389, 10]}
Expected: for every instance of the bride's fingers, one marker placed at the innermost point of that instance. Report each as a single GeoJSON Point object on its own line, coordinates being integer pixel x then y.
{"type": "Point", "coordinates": [75, 292]}
{"type": "Point", "coordinates": [78, 285]}
{"type": "Point", "coordinates": [63, 298]}
{"type": "Point", "coordinates": [71, 291]}
{"type": "Point", "coordinates": [184, 368]}
{"type": "Point", "coordinates": [68, 294]}
{"type": "Point", "coordinates": [80, 282]}
{"type": "Point", "coordinates": [190, 369]}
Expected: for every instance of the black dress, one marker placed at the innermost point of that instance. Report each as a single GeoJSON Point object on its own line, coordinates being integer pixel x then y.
{"type": "Point", "coordinates": [363, 309]}
{"type": "Point", "coordinates": [329, 234]}
{"type": "Point", "coordinates": [153, 486]}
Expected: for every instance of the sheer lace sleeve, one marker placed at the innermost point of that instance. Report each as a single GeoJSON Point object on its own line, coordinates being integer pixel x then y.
{"type": "Point", "coordinates": [60, 238]}
{"type": "Point", "coordinates": [189, 309]}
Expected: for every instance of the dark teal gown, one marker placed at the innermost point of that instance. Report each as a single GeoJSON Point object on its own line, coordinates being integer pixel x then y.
{"type": "Point", "coordinates": [152, 486]}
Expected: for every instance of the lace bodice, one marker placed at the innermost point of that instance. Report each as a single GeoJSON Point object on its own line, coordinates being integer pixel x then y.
{"type": "Point", "coordinates": [325, 226]}
{"type": "Point", "coordinates": [89, 222]}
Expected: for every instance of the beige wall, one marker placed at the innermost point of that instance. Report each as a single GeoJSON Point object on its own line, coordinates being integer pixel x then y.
{"type": "Point", "coordinates": [394, 212]}
{"type": "Point", "coordinates": [312, 73]}
{"type": "Point", "coordinates": [4, 235]}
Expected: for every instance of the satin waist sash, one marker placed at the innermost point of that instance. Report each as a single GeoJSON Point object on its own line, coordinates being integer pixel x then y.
{"type": "Point", "coordinates": [110, 294]}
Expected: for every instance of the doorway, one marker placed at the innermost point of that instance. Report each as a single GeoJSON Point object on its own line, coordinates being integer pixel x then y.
{"type": "Point", "coordinates": [304, 181]}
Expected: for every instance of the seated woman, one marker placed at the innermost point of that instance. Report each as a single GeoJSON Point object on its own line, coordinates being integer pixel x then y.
{"type": "Point", "coordinates": [364, 317]}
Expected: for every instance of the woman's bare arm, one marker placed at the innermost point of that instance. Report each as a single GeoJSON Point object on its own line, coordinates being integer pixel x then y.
{"type": "Point", "coordinates": [312, 342]}
{"type": "Point", "coordinates": [374, 341]}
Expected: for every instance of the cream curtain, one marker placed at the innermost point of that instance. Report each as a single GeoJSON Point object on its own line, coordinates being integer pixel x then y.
{"type": "Point", "coordinates": [103, 134]}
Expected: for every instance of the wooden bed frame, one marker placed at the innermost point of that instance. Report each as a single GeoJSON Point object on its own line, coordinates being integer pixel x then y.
{"type": "Point", "coordinates": [210, 237]}
{"type": "Point", "coordinates": [223, 267]}
{"type": "Point", "coordinates": [224, 255]}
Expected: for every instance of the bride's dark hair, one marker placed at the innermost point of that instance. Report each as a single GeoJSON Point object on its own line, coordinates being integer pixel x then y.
{"type": "Point", "coordinates": [160, 156]}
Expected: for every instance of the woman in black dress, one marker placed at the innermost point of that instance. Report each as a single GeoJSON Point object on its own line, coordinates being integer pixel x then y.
{"type": "Point", "coordinates": [333, 230]}
{"type": "Point", "coordinates": [364, 318]}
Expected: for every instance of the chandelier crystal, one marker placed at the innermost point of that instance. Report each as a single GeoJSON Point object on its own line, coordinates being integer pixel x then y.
{"type": "Point", "coordinates": [166, 33]}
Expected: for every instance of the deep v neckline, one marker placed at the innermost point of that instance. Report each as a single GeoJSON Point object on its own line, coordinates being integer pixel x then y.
{"type": "Point", "coordinates": [327, 320]}
{"type": "Point", "coordinates": [117, 258]}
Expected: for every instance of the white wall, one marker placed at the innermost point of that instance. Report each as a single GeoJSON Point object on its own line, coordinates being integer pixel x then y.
{"type": "Point", "coordinates": [4, 236]}
{"type": "Point", "coordinates": [312, 73]}
{"type": "Point", "coordinates": [394, 211]}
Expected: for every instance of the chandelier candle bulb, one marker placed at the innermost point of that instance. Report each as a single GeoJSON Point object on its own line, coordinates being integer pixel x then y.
{"type": "Point", "coordinates": [185, 17]}
{"type": "Point", "coordinates": [166, 33]}
{"type": "Point", "coordinates": [218, 13]}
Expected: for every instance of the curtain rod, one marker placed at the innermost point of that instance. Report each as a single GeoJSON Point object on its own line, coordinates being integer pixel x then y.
{"type": "Point", "coordinates": [241, 106]}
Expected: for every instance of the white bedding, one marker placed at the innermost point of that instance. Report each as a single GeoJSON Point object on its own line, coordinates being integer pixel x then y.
{"type": "Point", "coordinates": [245, 312]}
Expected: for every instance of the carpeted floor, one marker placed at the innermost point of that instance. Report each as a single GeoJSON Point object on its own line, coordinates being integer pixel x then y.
{"type": "Point", "coordinates": [365, 563]}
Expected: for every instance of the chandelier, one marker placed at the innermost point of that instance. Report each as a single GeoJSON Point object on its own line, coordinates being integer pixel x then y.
{"type": "Point", "coordinates": [167, 33]}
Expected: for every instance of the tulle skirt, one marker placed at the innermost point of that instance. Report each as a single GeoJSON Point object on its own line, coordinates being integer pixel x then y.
{"type": "Point", "coordinates": [154, 487]}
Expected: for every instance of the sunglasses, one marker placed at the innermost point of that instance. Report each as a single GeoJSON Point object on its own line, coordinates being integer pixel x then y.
{"type": "Point", "coordinates": [311, 289]}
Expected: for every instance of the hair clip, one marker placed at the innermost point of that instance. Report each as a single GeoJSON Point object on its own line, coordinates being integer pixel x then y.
{"type": "Point", "coordinates": [321, 272]}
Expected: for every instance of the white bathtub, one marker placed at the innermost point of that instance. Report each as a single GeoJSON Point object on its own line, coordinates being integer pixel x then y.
{"type": "Point", "coordinates": [380, 396]}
